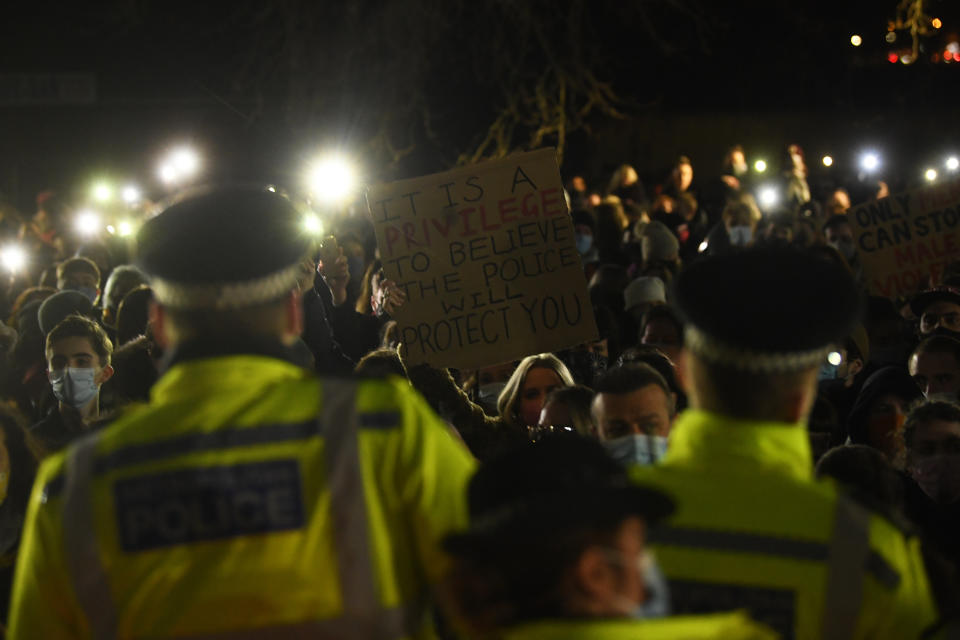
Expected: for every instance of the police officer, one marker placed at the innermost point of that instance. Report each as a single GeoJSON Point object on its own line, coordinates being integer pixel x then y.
{"type": "Point", "coordinates": [752, 529]}
{"type": "Point", "coordinates": [556, 549]}
{"type": "Point", "coordinates": [248, 499]}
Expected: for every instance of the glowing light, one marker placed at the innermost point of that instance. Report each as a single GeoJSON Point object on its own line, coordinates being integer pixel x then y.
{"type": "Point", "coordinates": [760, 166]}
{"type": "Point", "coordinates": [88, 223]}
{"type": "Point", "coordinates": [168, 173]}
{"type": "Point", "coordinates": [891, 37]}
{"type": "Point", "coordinates": [930, 175]}
{"type": "Point", "coordinates": [272, 189]}
{"type": "Point", "coordinates": [102, 192]}
{"type": "Point", "coordinates": [111, 229]}
{"type": "Point", "coordinates": [835, 358]}
{"type": "Point", "coordinates": [856, 40]}
{"type": "Point", "coordinates": [768, 197]}
{"type": "Point", "coordinates": [703, 247]}
{"type": "Point", "coordinates": [937, 23]}
{"type": "Point", "coordinates": [906, 59]}
{"type": "Point", "coordinates": [953, 163]}
{"type": "Point", "coordinates": [312, 224]}
{"type": "Point", "coordinates": [14, 258]}
{"type": "Point", "coordinates": [954, 47]}
{"type": "Point", "coordinates": [892, 57]}
{"type": "Point", "coordinates": [827, 161]}
{"type": "Point", "coordinates": [130, 194]}
{"type": "Point", "coordinates": [124, 228]}
{"type": "Point", "coordinates": [179, 165]}
{"type": "Point", "coordinates": [869, 161]}
{"type": "Point", "coordinates": [332, 179]}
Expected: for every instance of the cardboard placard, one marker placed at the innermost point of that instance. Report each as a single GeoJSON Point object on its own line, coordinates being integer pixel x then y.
{"type": "Point", "coordinates": [906, 239]}
{"type": "Point", "coordinates": [487, 258]}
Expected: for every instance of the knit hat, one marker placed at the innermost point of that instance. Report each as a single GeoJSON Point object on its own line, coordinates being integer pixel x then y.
{"type": "Point", "coordinates": [644, 290]}
{"type": "Point", "coordinates": [658, 243]}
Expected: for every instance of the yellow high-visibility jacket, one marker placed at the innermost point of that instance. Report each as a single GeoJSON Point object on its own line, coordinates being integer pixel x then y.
{"type": "Point", "coordinates": [719, 626]}
{"type": "Point", "coordinates": [754, 531]}
{"type": "Point", "coordinates": [247, 496]}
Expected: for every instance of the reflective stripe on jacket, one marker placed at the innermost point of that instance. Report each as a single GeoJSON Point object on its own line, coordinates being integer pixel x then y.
{"type": "Point", "coordinates": [249, 500]}
{"type": "Point", "coordinates": [753, 530]}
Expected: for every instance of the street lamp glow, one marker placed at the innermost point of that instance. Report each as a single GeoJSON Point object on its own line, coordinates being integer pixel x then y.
{"type": "Point", "coordinates": [130, 194]}
{"type": "Point", "coordinates": [14, 258]}
{"type": "Point", "coordinates": [930, 175]}
{"type": "Point", "coordinates": [312, 224]}
{"type": "Point", "coordinates": [102, 192]}
{"type": "Point", "coordinates": [953, 163]}
{"type": "Point", "coordinates": [124, 228]}
{"type": "Point", "coordinates": [827, 161]}
{"type": "Point", "coordinates": [768, 197]}
{"type": "Point", "coordinates": [870, 161]}
{"type": "Point", "coordinates": [760, 166]}
{"type": "Point", "coordinates": [88, 223]}
{"type": "Point", "coordinates": [332, 179]}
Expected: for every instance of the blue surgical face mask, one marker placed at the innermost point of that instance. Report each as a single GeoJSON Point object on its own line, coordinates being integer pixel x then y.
{"type": "Point", "coordinates": [89, 292]}
{"type": "Point", "coordinates": [656, 604]}
{"type": "Point", "coordinates": [584, 243]}
{"type": "Point", "coordinates": [637, 449]}
{"type": "Point", "coordinates": [74, 387]}
{"type": "Point", "coordinates": [828, 372]}
{"type": "Point", "coordinates": [740, 236]}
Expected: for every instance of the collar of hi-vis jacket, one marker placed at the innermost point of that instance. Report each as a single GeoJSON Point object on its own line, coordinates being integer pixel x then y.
{"type": "Point", "coordinates": [700, 439]}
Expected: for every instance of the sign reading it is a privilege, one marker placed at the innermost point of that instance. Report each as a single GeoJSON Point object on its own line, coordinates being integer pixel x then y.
{"type": "Point", "coordinates": [487, 258]}
{"type": "Point", "coordinates": [906, 239]}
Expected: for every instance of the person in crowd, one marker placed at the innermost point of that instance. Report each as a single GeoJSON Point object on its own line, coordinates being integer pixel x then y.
{"type": "Point", "coordinates": [839, 234]}
{"type": "Point", "coordinates": [662, 328]}
{"type": "Point", "coordinates": [751, 377]}
{"type": "Point", "coordinates": [283, 469]}
{"type": "Point", "coordinates": [625, 184]}
{"type": "Point", "coordinates": [556, 549]}
{"type": "Point", "coordinates": [611, 221]}
{"type": "Point", "coordinates": [18, 468]}
{"type": "Point", "coordinates": [28, 295]}
{"type": "Point", "coordinates": [98, 253]}
{"type": "Point", "coordinates": [932, 436]}
{"type": "Point", "coordinates": [577, 194]}
{"type": "Point", "coordinates": [838, 202]}
{"type": "Point", "coordinates": [57, 307]}
{"type": "Point", "coordinates": [878, 415]}
{"type": "Point", "coordinates": [939, 311]}
{"type": "Point", "coordinates": [736, 228]}
{"type": "Point", "coordinates": [25, 384]}
{"type": "Point", "coordinates": [681, 178]}
{"type": "Point", "coordinates": [892, 338]}
{"type": "Point", "coordinates": [660, 250]}
{"type": "Point", "coordinates": [642, 295]}
{"type": "Point", "coordinates": [568, 409]}
{"type": "Point", "coordinates": [133, 314]}
{"type": "Point", "coordinates": [79, 274]}
{"type": "Point", "coordinates": [797, 191]}
{"type": "Point", "coordinates": [869, 478]}
{"type": "Point", "coordinates": [648, 354]}
{"type": "Point", "coordinates": [840, 383]}
{"type": "Point", "coordinates": [935, 366]}
{"type": "Point", "coordinates": [583, 233]}
{"type": "Point", "coordinates": [380, 363]}
{"type": "Point", "coordinates": [78, 363]}
{"type": "Point", "coordinates": [134, 371]}
{"type": "Point", "coordinates": [634, 410]}
{"type": "Point", "coordinates": [124, 279]}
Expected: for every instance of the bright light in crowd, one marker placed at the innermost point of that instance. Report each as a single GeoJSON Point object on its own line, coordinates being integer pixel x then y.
{"type": "Point", "coordinates": [124, 228]}
{"type": "Point", "coordinates": [168, 173]}
{"type": "Point", "coordinates": [312, 224]}
{"type": "Point", "coordinates": [111, 229]}
{"type": "Point", "coordinates": [179, 165]}
{"type": "Point", "coordinates": [953, 163]}
{"type": "Point", "coordinates": [272, 189]}
{"type": "Point", "coordinates": [856, 40]}
{"type": "Point", "coordinates": [937, 23]}
{"type": "Point", "coordinates": [827, 161]}
{"type": "Point", "coordinates": [102, 192]}
{"type": "Point", "coordinates": [760, 166]}
{"type": "Point", "coordinates": [870, 161]}
{"type": "Point", "coordinates": [703, 247]}
{"type": "Point", "coordinates": [332, 178]}
{"type": "Point", "coordinates": [130, 194]}
{"type": "Point", "coordinates": [768, 197]}
{"type": "Point", "coordinates": [930, 175]}
{"type": "Point", "coordinates": [835, 358]}
{"type": "Point", "coordinates": [13, 258]}
{"type": "Point", "coordinates": [88, 223]}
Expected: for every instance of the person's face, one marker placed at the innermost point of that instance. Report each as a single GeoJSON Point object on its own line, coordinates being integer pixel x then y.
{"type": "Point", "coordinates": [936, 373]}
{"type": "Point", "coordinates": [738, 163]}
{"type": "Point", "coordinates": [645, 411]}
{"type": "Point", "coordinates": [659, 332]}
{"type": "Point", "coordinates": [578, 184]}
{"type": "Point", "coordinates": [933, 460]}
{"type": "Point", "coordinates": [839, 233]}
{"type": "Point", "coordinates": [941, 313]}
{"type": "Point", "coordinates": [885, 425]}
{"type": "Point", "coordinates": [684, 176]}
{"type": "Point", "coordinates": [536, 385]}
{"type": "Point", "coordinates": [77, 353]}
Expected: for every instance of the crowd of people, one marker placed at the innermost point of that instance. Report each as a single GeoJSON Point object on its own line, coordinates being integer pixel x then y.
{"type": "Point", "coordinates": [754, 447]}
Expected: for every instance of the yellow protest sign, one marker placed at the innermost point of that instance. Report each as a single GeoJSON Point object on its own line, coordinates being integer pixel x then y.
{"type": "Point", "coordinates": [487, 258]}
{"type": "Point", "coordinates": [904, 241]}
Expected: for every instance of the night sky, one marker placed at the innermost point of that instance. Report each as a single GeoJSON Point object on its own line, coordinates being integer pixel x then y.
{"type": "Point", "coordinates": [259, 88]}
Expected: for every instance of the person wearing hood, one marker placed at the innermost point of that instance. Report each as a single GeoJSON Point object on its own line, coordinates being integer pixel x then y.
{"type": "Point", "coordinates": [939, 312]}
{"type": "Point", "coordinates": [878, 415]}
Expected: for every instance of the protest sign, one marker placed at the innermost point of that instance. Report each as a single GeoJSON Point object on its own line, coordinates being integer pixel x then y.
{"type": "Point", "coordinates": [904, 241]}
{"type": "Point", "coordinates": [487, 258]}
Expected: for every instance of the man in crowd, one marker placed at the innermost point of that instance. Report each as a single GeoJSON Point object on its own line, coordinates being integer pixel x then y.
{"type": "Point", "coordinates": [752, 529]}
{"type": "Point", "coordinates": [79, 274]}
{"type": "Point", "coordinates": [122, 281]}
{"type": "Point", "coordinates": [935, 367]}
{"type": "Point", "coordinates": [248, 499]}
{"type": "Point", "coordinates": [78, 363]}
{"type": "Point", "coordinates": [939, 311]}
{"type": "Point", "coordinates": [634, 410]}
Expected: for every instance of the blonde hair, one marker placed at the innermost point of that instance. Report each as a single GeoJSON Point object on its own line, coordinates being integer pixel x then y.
{"type": "Point", "coordinates": [510, 396]}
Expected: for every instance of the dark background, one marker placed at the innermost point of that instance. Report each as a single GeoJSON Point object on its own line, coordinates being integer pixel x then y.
{"type": "Point", "coordinates": [409, 87]}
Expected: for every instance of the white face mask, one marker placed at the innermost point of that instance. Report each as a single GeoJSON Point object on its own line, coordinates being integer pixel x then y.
{"type": "Point", "coordinates": [637, 449]}
{"type": "Point", "coordinates": [740, 236]}
{"type": "Point", "coordinates": [73, 386]}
